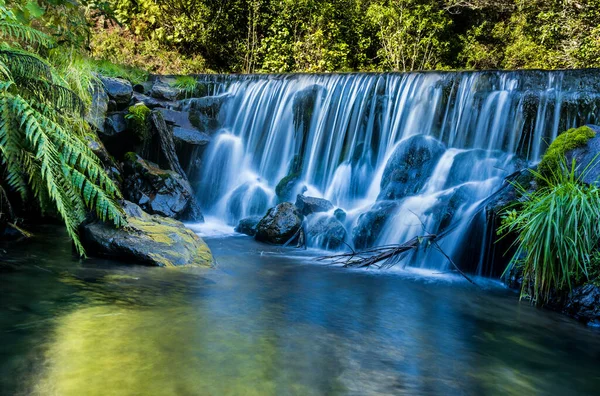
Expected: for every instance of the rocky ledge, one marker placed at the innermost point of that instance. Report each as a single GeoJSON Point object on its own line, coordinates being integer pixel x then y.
{"type": "Point", "coordinates": [147, 239]}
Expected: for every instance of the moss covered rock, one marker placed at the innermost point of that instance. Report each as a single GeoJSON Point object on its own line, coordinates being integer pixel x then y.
{"type": "Point", "coordinates": [565, 142]}
{"type": "Point", "coordinates": [147, 239]}
{"type": "Point", "coordinates": [279, 225]}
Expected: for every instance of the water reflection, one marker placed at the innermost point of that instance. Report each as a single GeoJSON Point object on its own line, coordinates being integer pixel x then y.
{"type": "Point", "coordinates": [268, 324]}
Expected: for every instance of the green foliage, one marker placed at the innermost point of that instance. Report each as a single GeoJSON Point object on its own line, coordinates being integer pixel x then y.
{"type": "Point", "coordinates": [43, 151]}
{"type": "Point", "coordinates": [554, 157]}
{"type": "Point", "coordinates": [139, 118]}
{"type": "Point", "coordinates": [558, 233]}
{"type": "Point", "coordinates": [133, 74]}
{"type": "Point", "coordinates": [188, 85]}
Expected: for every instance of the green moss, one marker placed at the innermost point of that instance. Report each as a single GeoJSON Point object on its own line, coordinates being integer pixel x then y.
{"type": "Point", "coordinates": [279, 190]}
{"type": "Point", "coordinates": [139, 120]}
{"type": "Point", "coordinates": [555, 155]}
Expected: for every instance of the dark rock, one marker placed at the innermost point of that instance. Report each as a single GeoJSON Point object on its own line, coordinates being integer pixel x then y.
{"type": "Point", "coordinates": [176, 118]}
{"type": "Point", "coordinates": [162, 90]}
{"type": "Point", "coordinates": [583, 303]}
{"type": "Point", "coordinates": [208, 105]}
{"type": "Point", "coordinates": [156, 190]}
{"type": "Point", "coordinates": [97, 111]}
{"type": "Point", "coordinates": [587, 158]}
{"type": "Point", "coordinates": [112, 106]}
{"type": "Point", "coordinates": [249, 199]}
{"type": "Point", "coordinates": [143, 88]}
{"type": "Point", "coordinates": [488, 164]}
{"type": "Point", "coordinates": [115, 124]}
{"type": "Point", "coordinates": [190, 136]}
{"type": "Point", "coordinates": [152, 103]}
{"type": "Point", "coordinates": [279, 225]}
{"type": "Point", "coordinates": [287, 186]}
{"type": "Point", "coordinates": [410, 166]}
{"type": "Point", "coordinates": [326, 232]}
{"type": "Point", "coordinates": [248, 225]}
{"type": "Point", "coordinates": [340, 214]}
{"type": "Point", "coordinates": [147, 239]}
{"type": "Point", "coordinates": [509, 193]}
{"type": "Point", "coordinates": [308, 205]}
{"type": "Point", "coordinates": [371, 223]}
{"type": "Point", "coordinates": [118, 89]}
{"type": "Point", "coordinates": [110, 165]}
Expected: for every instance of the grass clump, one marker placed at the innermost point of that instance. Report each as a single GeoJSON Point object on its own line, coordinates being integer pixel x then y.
{"type": "Point", "coordinates": [558, 233]}
{"type": "Point", "coordinates": [188, 85]}
{"type": "Point", "coordinates": [139, 119]}
{"type": "Point", "coordinates": [568, 140]}
{"type": "Point", "coordinates": [132, 74]}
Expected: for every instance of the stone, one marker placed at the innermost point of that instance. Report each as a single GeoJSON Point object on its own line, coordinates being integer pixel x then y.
{"type": "Point", "coordinates": [279, 225]}
{"type": "Point", "coordinates": [307, 205]}
{"type": "Point", "coordinates": [370, 224]}
{"type": "Point", "coordinates": [176, 118]}
{"type": "Point", "coordinates": [118, 89]}
{"type": "Point", "coordinates": [155, 190]}
{"type": "Point", "coordinates": [113, 169]}
{"type": "Point", "coordinates": [115, 124]}
{"type": "Point", "coordinates": [340, 214]}
{"type": "Point", "coordinates": [587, 158]}
{"type": "Point", "coordinates": [153, 103]}
{"type": "Point", "coordinates": [409, 167]}
{"type": "Point", "coordinates": [287, 186]}
{"type": "Point", "coordinates": [143, 87]}
{"type": "Point", "coordinates": [190, 136]}
{"type": "Point", "coordinates": [583, 303]}
{"type": "Point", "coordinates": [162, 90]}
{"type": "Point", "coordinates": [248, 199]}
{"type": "Point", "coordinates": [326, 232]}
{"type": "Point", "coordinates": [147, 239]}
{"type": "Point", "coordinates": [97, 111]}
{"type": "Point", "coordinates": [248, 225]}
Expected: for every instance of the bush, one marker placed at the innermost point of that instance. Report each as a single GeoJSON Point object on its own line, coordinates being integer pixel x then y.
{"type": "Point", "coordinates": [558, 233]}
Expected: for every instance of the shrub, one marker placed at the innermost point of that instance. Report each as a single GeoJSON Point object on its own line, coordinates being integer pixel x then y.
{"type": "Point", "coordinates": [558, 232]}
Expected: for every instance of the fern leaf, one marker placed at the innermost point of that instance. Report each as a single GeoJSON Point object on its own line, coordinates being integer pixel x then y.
{"type": "Point", "coordinates": [26, 34]}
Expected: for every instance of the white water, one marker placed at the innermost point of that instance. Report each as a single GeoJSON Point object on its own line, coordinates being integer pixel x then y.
{"type": "Point", "coordinates": [345, 127]}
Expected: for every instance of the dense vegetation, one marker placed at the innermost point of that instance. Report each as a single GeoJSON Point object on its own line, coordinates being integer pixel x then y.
{"type": "Point", "coordinates": [184, 36]}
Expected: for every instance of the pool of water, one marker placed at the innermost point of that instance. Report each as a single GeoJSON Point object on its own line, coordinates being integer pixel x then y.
{"type": "Point", "coordinates": [271, 321]}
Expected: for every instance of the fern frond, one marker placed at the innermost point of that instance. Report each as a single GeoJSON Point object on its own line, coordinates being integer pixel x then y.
{"type": "Point", "coordinates": [25, 64]}
{"type": "Point", "coordinates": [26, 34]}
{"type": "Point", "coordinates": [57, 96]}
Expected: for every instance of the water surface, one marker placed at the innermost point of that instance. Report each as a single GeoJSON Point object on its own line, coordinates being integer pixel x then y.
{"type": "Point", "coordinates": [271, 321]}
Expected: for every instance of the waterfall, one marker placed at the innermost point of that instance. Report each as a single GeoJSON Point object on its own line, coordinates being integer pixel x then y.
{"type": "Point", "coordinates": [344, 137]}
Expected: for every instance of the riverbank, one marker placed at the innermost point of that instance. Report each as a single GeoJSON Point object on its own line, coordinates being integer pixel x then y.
{"type": "Point", "coordinates": [269, 320]}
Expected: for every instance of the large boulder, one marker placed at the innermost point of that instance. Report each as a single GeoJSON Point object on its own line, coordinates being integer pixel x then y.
{"type": "Point", "coordinates": [118, 90]}
{"type": "Point", "coordinates": [307, 205]}
{"type": "Point", "coordinates": [176, 118]}
{"type": "Point", "coordinates": [147, 239]}
{"type": "Point", "coordinates": [248, 225]}
{"type": "Point", "coordinates": [279, 225]}
{"type": "Point", "coordinates": [587, 158]}
{"type": "Point", "coordinates": [409, 167]}
{"type": "Point", "coordinates": [583, 303]}
{"type": "Point", "coordinates": [326, 232]}
{"type": "Point", "coordinates": [156, 190]}
{"type": "Point", "coordinates": [370, 224]}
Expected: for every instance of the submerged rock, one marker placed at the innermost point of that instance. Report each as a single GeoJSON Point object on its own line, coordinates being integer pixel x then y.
{"type": "Point", "coordinates": [307, 205]}
{"type": "Point", "coordinates": [340, 214]}
{"type": "Point", "coordinates": [326, 232]}
{"type": "Point", "coordinates": [147, 239]}
{"type": "Point", "coordinates": [156, 190]}
{"type": "Point", "coordinates": [371, 223]}
{"type": "Point", "coordinates": [118, 89]}
{"type": "Point", "coordinates": [279, 225]}
{"type": "Point", "coordinates": [248, 225]}
{"type": "Point", "coordinates": [409, 167]}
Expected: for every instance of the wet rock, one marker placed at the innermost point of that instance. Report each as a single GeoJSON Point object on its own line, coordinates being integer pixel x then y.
{"type": "Point", "coordinates": [287, 186]}
{"type": "Point", "coordinates": [486, 163]}
{"type": "Point", "coordinates": [97, 111]}
{"type": "Point", "coordinates": [326, 232]}
{"type": "Point", "coordinates": [248, 225]}
{"type": "Point", "coordinates": [409, 167]}
{"type": "Point", "coordinates": [155, 190]}
{"type": "Point", "coordinates": [113, 169]}
{"type": "Point", "coordinates": [147, 239]}
{"type": "Point", "coordinates": [340, 214]}
{"type": "Point", "coordinates": [162, 90]}
{"type": "Point", "coordinates": [115, 124]}
{"type": "Point", "coordinates": [153, 103]}
{"type": "Point", "coordinates": [307, 205]}
{"type": "Point", "coordinates": [583, 303]}
{"type": "Point", "coordinates": [190, 136]}
{"type": "Point", "coordinates": [118, 89]}
{"type": "Point", "coordinates": [279, 225]}
{"type": "Point", "coordinates": [176, 118]}
{"type": "Point", "coordinates": [370, 224]}
{"type": "Point", "coordinates": [587, 158]}
{"type": "Point", "coordinates": [247, 200]}
{"type": "Point", "coordinates": [143, 87]}
{"type": "Point", "coordinates": [509, 192]}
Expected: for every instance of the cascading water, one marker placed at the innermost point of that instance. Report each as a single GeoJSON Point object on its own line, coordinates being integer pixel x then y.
{"type": "Point", "coordinates": [397, 152]}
